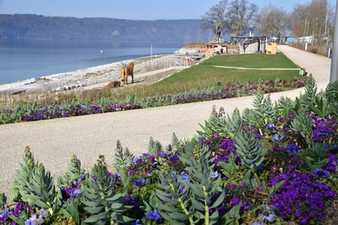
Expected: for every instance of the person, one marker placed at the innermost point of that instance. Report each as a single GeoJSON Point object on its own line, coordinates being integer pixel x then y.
{"type": "Point", "coordinates": [245, 45]}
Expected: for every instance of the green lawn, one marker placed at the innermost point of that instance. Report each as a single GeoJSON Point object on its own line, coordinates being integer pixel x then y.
{"type": "Point", "coordinates": [253, 61]}
{"type": "Point", "coordinates": [205, 74]}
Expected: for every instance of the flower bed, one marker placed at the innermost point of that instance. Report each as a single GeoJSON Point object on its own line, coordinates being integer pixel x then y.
{"type": "Point", "coordinates": [274, 164]}
{"type": "Point", "coordinates": [35, 112]}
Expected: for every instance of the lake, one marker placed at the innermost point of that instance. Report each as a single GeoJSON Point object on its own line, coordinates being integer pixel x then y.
{"type": "Point", "coordinates": [23, 63]}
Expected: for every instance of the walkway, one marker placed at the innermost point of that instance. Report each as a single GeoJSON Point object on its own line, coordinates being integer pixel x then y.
{"type": "Point", "coordinates": [54, 141]}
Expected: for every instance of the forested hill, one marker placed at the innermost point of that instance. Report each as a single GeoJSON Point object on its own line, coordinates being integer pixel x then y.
{"type": "Point", "coordinates": [42, 30]}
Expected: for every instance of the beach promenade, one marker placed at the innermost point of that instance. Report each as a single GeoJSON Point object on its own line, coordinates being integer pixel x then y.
{"type": "Point", "coordinates": [54, 141]}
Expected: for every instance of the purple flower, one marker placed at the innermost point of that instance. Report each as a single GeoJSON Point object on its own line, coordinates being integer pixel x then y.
{"type": "Point", "coordinates": [19, 207]}
{"type": "Point", "coordinates": [228, 144]}
{"type": "Point", "coordinates": [323, 128]}
{"type": "Point", "coordinates": [139, 182]}
{"type": "Point", "coordinates": [301, 197]}
{"type": "Point", "coordinates": [153, 215]}
{"type": "Point", "coordinates": [149, 157]}
{"type": "Point", "coordinates": [279, 149]}
{"type": "Point", "coordinates": [235, 201]}
{"type": "Point", "coordinates": [74, 190]}
{"type": "Point", "coordinates": [220, 158]}
{"type": "Point", "coordinates": [226, 149]}
{"type": "Point", "coordinates": [4, 215]}
{"type": "Point", "coordinates": [245, 205]}
{"type": "Point", "coordinates": [331, 165]}
{"type": "Point", "coordinates": [130, 200]}
{"type": "Point", "coordinates": [96, 108]}
{"type": "Point", "coordinates": [232, 187]}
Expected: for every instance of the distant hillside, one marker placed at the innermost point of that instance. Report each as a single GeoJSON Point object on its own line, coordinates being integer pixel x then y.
{"type": "Point", "coordinates": [42, 30]}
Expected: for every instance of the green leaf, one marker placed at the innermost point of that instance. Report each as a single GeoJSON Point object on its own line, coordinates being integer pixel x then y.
{"type": "Point", "coordinates": [178, 216]}
{"type": "Point", "coordinates": [96, 218]}
{"type": "Point", "coordinates": [197, 205]}
{"type": "Point", "coordinates": [218, 201]}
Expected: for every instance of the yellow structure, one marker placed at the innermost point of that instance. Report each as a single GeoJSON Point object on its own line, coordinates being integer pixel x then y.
{"type": "Point", "coordinates": [271, 48]}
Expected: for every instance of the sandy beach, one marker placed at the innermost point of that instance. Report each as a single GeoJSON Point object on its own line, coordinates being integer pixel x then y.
{"type": "Point", "coordinates": [95, 77]}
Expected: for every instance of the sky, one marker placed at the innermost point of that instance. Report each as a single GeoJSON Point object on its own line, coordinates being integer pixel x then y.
{"type": "Point", "coordinates": [125, 9]}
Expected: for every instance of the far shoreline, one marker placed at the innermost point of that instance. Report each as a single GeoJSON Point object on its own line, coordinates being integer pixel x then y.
{"type": "Point", "coordinates": [90, 76]}
{"type": "Point", "coordinates": [26, 62]}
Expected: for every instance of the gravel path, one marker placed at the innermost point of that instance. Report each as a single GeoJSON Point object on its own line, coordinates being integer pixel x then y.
{"type": "Point", "coordinates": [54, 141]}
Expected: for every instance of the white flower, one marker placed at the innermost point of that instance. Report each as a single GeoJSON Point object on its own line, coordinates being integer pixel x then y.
{"type": "Point", "coordinates": [43, 213]}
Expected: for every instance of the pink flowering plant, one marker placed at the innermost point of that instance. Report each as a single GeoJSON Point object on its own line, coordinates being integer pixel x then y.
{"type": "Point", "coordinates": [275, 163]}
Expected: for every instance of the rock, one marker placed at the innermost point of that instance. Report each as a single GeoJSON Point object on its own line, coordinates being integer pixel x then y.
{"type": "Point", "coordinates": [113, 84]}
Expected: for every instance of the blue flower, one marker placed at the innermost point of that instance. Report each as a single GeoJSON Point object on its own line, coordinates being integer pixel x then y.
{"type": "Point", "coordinates": [137, 222]}
{"type": "Point", "coordinates": [270, 218]}
{"type": "Point", "coordinates": [153, 215]}
{"type": "Point", "coordinates": [138, 160]}
{"type": "Point", "coordinates": [270, 126]}
{"type": "Point", "coordinates": [72, 192]}
{"type": "Point", "coordinates": [293, 148]}
{"type": "Point", "coordinates": [34, 220]}
{"type": "Point", "coordinates": [182, 190]}
{"type": "Point", "coordinates": [277, 138]}
{"type": "Point", "coordinates": [257, 223]}
{"type": "Point", "coordinates": [321, 173]}
{"type": "Point", "coordinates": [184, 177]}
{"type": "Point", "coordinates": [130, 200]}
{"type": "Point", "coordinates": [174, 159]}
{"type": "Point", "coordinates": [214, 174]}
{"type": "Point", "coordinates": [30, 222]}
{"type": "Point", "coordinates": [162, 154]}
{"type": "Point", "coordinates": [139, 182]}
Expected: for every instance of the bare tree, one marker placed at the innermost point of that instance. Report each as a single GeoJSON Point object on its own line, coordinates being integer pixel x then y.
{"type": "Point", "coordinates": [311, 19]}
{"type": "Point", "coordinates": [241, 16]}
{"type": "Point", "coordinates": [330, 22]}
{"type": "Point", "coordinates": [273, 21]}
{"type": "Point", "coordinates": [216, 19]}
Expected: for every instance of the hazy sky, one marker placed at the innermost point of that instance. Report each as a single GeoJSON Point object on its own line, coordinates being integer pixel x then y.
{"type": "Point", "coordinates": [128, 9]}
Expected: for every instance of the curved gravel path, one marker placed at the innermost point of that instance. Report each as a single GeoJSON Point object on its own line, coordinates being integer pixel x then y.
{"type": "Point", "coordinates": [54, 141]}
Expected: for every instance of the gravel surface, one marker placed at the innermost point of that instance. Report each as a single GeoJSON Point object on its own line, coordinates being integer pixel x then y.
{"type": "Point", "coordinates": [54, 141]}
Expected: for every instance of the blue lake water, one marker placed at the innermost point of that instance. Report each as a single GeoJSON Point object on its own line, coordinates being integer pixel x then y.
{"type": "Point", "coordinates": [23, 63]}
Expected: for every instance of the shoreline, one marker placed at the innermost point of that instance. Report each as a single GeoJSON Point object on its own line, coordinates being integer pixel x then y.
{"type": "Point", "coordinates": [92, 77]}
